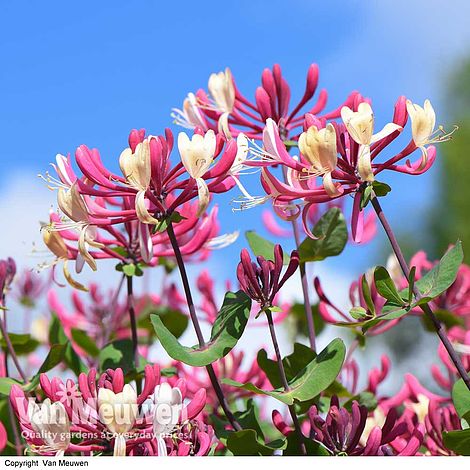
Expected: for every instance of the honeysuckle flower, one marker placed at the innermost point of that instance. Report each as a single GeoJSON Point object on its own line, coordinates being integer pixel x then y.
{"type": "Point", "coordinates": [106, 415]}
{"type": "Point", "coordinates": [112, 200]}
{"type": "Point", "coordinates": [326, 307]}
{"type": "Point", "coordinates": [118, 411]}
{"type": "Point", "coordinates": [168, 406]}
{"type": "Point", "coordinates": [341, 431]}
{"type": "Point", "coordinates": [440, 419]}
{"type": "Point", "coordinates": [423, 121]}
{"type": "Point", "coordinates": [197, 155]}
{"type": "Point", "coordinates": [319, 147]}
{"type": "Point", "coordinates": [460, 338]}
{"type": "Point", "coordinates": [7, 274]}
{"type": "Point", "coordinates": [222, 90]}
{"type": "Point", "coordinates": [3, 437]}
{"type": "Point", "coordinates": [190, 116]}
{"type": "Point", "coordinates": [360, 125]}
{"type": "Point", "coordinates": [71, 203]}
{"type": "Point", "coordinates": [56, 245]}
{"type": "Point", "coordinates": [271, 100]}
{"type": "Point", "coordinates": [51, 422]}
{"type": "Point", "coordinates": [262, 282]}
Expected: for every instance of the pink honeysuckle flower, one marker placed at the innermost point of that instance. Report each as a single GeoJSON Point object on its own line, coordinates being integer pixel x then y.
{"type": "Point", "coordinates": [91, 409]}
{"type": "Point", "coordinates": [7, 274]}
{"type": "Point", "coordinates": [197, 237]}
{"type": "Point", "coordinates": [347, 172]}
{"type": "Point", "coordinates": [149, 177]}
{"type": "Point", "coordinates": [460, 338]}
{"type": "Point", "coordinates": [272, 101]}
{"type": "Point", "coordinates": [438, 420]}
{"type": "Point", "coordinates": [349, 375]}
{"type": "Point", "coordinates": [262, 282]}
{"type": "Point", "coordinates": [3, 437]}
{"type": "Point", "coordinates": [209, 304]}
{"type": "Point", "coordinates": [150, 190]}
{"type": "Point", "coordinates": [341, 431]}
{"type": "Point", "coordinates": [414, 397]}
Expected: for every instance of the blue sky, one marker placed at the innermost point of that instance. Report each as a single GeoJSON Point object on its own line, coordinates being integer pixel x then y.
{"type": "Point", "coordinates": [89, 72]}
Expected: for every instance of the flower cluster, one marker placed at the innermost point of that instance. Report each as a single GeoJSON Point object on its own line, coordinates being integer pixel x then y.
{"type": "Point", "coordinates": [155, 215]}
{"type": "Point", "coordinates": [103, 414]}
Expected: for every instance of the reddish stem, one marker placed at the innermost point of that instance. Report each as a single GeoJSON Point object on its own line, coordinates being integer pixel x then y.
{"type": "Point", "coordinates": [440, 330]}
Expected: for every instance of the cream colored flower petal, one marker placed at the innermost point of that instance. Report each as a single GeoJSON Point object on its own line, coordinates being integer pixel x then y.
{"type": "Point", "coordinates": [75, 284]}
{"type": "Point", "coordinates": [71, 203]}
{"type": "Point", "coordinates": [364, 166]}
{"type": "Point", "coordinates": [430, 113]}
{"type": "Point", "coordinates": [161, 445]}
{"type": "Point", "coordinates": [119, 446]}
{"type": "Point", "coordinates": [222, 126]}
{"type": "Point", "coordinates": [423, 121]}
{"type": "Point", "coordinates": [141, 209]}
{"type": "Point", "coordinates": [83, 250]}
{"type": "Point", "coordinates": [386, 131]}
{"type": "Point", "coordinates": [329, 186]}
{"type": "Point", "coordinates": [129, 395]}
{"type": "Point", "coordinates": [203, 195]}
{"type": "Point", "coordinates": [53, 240]}
{"type": "Point", "coordinates": [360, 123]}
{"type": "Point", "coordinates": [145, 243]}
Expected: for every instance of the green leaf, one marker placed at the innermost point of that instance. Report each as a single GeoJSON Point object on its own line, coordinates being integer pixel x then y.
{"type": "Point", "coordinates": [365, 196]}
{"type": "Point", "coordinates": [461, 398]}
{"type": "Point", "coordinates": [290, 143]}
{"type": "Point", "coordinates": [386, 287]}
{"type": "Point", "coordinates": [56, 332]}
{"type": "Point", "coordinates": [85, 342]}
{"type": "Point", "coordinates": [54, 357]}
{"type": "Point", "coordinates": [168, 371]}
{"type": "Point", "coordinates": [22, 343]}
{"type": "Point", "coordinates": [262, 247]}
{"type": "Point", "coordinates": [367, 295]}
{"type": "Point", "coordinates": [366, 399]}
{"type": "Point", "coordinates": [380, 189]}
{"type": "Point", "coordinates": [226, 331]}
{"type": "Point", "coordinates": [6, 384]}
{"type": "Point", "coordinates": [130, 269]}
{"type": "Point", "coordinates": [332, 235]}
{"type": "Point", "coordinates": [442, 276]}
{"type": "Point", "coordinates": [293, 364]}
{"type": "Point", "coordinates": [119, 353]}
{"type": "Point", "coordinates": [458, 441]}
{"type": "Point", "coordinates": [246, 442]}
{"type": "Point", "coordinates": [312, 447]}
{"type": "Point", "coordinates": [318, 375]}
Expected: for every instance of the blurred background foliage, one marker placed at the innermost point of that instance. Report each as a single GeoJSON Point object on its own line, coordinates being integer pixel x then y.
{"type": "Point", "coordinates": [450, 218]}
